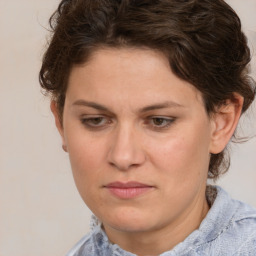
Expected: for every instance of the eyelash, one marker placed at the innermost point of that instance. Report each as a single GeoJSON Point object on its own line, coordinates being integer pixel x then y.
{"type": "Point", "coordinates": [88, 122]}
{"type": "Point", "coordinates": [168, 122]}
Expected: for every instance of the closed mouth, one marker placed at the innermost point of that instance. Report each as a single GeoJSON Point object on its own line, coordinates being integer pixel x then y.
{"type": "Point", "coordinates": [128, 190]}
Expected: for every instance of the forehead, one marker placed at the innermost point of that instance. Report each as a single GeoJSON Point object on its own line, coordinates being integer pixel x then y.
{"type": "Point", "coordinates": [129, 75]}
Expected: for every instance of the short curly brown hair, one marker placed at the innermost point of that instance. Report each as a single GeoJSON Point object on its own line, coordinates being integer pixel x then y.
{"type": "Point", "coordinates": [201, 38]}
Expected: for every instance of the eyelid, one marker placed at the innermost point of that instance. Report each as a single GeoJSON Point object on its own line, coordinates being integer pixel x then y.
{"type": "Point", "coordinates": [86, 119]}
{"type": "Point", "coordinates": [168, 120]}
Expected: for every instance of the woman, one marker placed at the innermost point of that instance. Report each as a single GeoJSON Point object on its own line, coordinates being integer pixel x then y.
{"type": "Point", "coordinates": [146, 96]}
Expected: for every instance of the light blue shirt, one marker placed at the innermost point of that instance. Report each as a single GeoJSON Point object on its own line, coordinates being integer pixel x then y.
{"type": "Point", "coordinates": [229, 229]}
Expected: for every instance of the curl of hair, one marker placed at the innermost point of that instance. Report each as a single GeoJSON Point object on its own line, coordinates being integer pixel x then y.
{"type": "Point", "coordinates": [201, 38]}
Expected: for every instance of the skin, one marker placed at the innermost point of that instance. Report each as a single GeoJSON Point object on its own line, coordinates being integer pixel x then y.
{"type": "Point", "coordinates": [127, 117]}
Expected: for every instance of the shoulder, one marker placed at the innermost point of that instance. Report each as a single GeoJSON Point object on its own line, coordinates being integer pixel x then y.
{"type": "Point", "coordinates": [243, 219]}
{"type": "Point", "coordinates": [83, 242]}
{"type": "Point", "coordinates": [243, 228]}
{"type": "Point", "coordinates": [229, 228]}
{"type": "Point", "coordinates": [238, 236]}
{"type": "Point", "coordinates": [96, 243]}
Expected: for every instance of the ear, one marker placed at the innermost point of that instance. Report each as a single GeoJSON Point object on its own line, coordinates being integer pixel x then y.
{"type": "Point", "coordinates": [58, 123]}
{"type": "Point", "coordinates": [225, 121]}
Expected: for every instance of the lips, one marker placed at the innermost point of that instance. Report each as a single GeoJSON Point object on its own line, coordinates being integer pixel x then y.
{"type": "Point", "coordinates": [128, 190]}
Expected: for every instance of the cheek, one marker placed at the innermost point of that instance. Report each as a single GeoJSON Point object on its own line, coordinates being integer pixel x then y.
{"type": "Point", "coordinates": [87, 160]}
{"type": "Point", "coordinates": [181, 163]}
{"type": "Point", "coordinates": [183, 155]}
{"type": "Point", "coordinates": [87, 169]}
{"type": "Point", "coordinates": [85, 151]}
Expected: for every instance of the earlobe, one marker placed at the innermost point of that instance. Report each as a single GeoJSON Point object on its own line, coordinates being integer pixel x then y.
{"type": "Point", "coordinates": [225, 121]}
{"type": "Point", "coordinates": [58, 123]}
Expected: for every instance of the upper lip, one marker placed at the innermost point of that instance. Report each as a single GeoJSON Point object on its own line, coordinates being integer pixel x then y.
{"type": "Point", "coordinates": [130, 184]}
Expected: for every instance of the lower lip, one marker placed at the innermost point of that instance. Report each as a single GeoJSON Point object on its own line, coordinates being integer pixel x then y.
{"type": "Point", "coordinates": [128, 193]}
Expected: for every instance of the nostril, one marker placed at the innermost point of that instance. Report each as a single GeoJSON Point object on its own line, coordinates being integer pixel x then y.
{"type": "Point", "coordinates": [126, 165]}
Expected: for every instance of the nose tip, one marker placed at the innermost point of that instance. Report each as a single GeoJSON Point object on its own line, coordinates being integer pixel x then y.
{"type": "Point", "coordinates": [126, 152]}
{"type": "Point", "coordinates": [123, 164]}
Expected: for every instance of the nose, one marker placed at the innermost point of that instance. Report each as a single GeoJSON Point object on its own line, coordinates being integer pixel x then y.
{"type": "Point", "coordinates": [126, 150]}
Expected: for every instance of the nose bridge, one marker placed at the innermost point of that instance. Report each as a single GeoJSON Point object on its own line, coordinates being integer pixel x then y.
{"type": "Point", "coordinates": [125, 150]}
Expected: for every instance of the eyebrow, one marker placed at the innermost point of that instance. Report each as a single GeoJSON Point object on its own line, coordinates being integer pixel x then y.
{"type": "Point", "coordinates": [167, 104]}
{"type": "Point", "coordinates": [90, 104]}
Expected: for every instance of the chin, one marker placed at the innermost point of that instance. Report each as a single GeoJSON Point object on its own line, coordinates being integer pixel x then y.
{"type": "Point", "coordinates": [128, 221]}
{"type": "Point", "coordinates": [129, 227]}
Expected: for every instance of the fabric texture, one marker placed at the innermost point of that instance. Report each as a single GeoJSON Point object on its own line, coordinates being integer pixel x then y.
{"type": "Point", "coordinates": [229, 229]}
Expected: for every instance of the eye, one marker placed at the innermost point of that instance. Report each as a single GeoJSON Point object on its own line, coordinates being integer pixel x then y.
{"type": "Point", "coordinates": [95, 122]}
{"type": "Point", "coordinates": [159, 122]}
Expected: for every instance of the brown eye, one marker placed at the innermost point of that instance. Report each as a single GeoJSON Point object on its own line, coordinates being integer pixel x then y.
{"type": "Point", "coordinates": [96, 122]}
{"type": "Point", "coordinates": [158, 121]}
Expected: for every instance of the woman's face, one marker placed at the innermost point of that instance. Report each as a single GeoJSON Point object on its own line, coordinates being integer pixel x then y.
{"type": "Point", "coordinates": [139, 140]}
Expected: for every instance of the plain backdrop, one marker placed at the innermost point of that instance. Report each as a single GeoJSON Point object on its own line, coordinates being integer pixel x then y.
{"type": "Point", "coordinates": [41, 212]}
